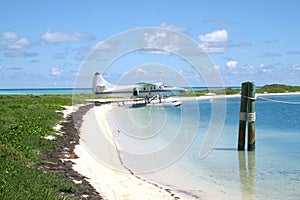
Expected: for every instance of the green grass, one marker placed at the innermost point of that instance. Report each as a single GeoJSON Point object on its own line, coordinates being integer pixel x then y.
{"type": "Point", "coordinates": [24, 121]}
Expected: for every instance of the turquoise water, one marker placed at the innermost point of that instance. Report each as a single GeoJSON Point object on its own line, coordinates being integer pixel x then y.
{"type": "Point", "coordinates": [272, 171]}
{"type": "Point", "coordinates": [44, 91]}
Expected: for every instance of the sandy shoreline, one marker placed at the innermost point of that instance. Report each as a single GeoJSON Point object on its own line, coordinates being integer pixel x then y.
{"type": "Point", "coordinates": [106, 173]}
{"type": "Point", "coordinates": [59, 159]}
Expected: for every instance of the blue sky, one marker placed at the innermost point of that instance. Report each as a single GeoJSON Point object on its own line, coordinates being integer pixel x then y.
{"type": "Point", "coordinates": [45, 43]}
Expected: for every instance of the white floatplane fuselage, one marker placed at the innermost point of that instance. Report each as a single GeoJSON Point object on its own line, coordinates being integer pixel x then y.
{"type": "Point", "coordinates": [144, 89]}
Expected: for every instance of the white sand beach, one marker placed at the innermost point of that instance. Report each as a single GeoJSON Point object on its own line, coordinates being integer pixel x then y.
{"type": "Point", "coordinates": [107, 175]}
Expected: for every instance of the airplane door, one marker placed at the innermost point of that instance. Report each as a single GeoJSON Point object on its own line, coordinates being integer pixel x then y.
{"type": "Point", "coordinates": [135, 92]}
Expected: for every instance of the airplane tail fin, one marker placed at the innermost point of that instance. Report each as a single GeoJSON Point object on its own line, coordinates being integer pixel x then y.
{"type": "Point", "coordinates": [100, 84]}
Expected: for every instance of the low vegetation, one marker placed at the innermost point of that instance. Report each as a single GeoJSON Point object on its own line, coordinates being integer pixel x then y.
{"type": "Point", "coordinates": [278, 88]}
{"type": "Point", "coordinates": [197, 93]}
{"type": "Point", "coordinates": [273, 88]}
{"type": "Point", "coordinates": [25, 120]}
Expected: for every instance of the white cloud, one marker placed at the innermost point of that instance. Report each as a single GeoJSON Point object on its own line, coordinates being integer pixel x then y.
{"type": "Point", "coordinates": [265, 68]}
{"type": "Point", "coordinates": [215, 36]}
{"type": "Point", "coordinates": [214, 42]}
{"type": "Point", "coordinates": [164, 40]}
{"type": "Point", "coordinates": [55, 71]}
{"type": "Point", "coordinates": [250, 69]}
{"type": "Point", "coordinates": [137, 72]}
{"type": "Point", "coordinates": [296, 67]}
{"type": "Point", "coordinates": [232, 64]}
{"type": "Point", "coordinates": [247, 69]}
{"type": "Point", "coordinates": [9, 35]}
{"type": "Point", "coordinates": [52, 37]}
{"type": "Point", "coordinates": [160, 42]}
{"type": "Point", "coordinates": [20, 43]}
{"type": "Point", "coordinates": [153, 39]}
{"type": "Point", "coordinates": [11, 40]}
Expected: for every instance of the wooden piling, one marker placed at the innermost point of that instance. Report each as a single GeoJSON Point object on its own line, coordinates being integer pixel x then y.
{"type": "Point", "coordinates": [251, 116]}
{"type": "Point", "coordinates": [243, 117]}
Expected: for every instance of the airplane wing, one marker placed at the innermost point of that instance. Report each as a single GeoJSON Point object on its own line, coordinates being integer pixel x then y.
{"type": "Point", "coordinates": [145, 83]}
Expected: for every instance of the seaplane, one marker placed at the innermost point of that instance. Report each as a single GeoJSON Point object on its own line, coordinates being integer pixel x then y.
{"type": "Point", "coordinates": [140, 94]}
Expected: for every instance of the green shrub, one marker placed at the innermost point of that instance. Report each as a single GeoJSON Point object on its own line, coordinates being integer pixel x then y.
{"type": "Point", "coordinates": [278, 88]}
{"type": "Point", "coordinates": [24, 121]}
{"type": "Point", "coordinates": [18, 181]}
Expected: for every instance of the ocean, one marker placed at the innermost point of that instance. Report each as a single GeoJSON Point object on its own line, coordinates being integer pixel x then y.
{"type": "Point", "coordinates": [163, 146]}
{"type": "Point", "coordinates": [42, 91]}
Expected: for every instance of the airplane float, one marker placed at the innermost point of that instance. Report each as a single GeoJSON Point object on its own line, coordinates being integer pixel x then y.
{"type": "Point", "coordinates": [143, 93]}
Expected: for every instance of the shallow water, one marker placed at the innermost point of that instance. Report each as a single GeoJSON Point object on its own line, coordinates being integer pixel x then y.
{"type": "Point", "coordinates": [163, 145]}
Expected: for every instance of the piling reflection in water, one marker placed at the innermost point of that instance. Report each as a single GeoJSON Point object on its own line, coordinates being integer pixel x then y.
{"type": "Point", "coordinates": [247, 174]}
